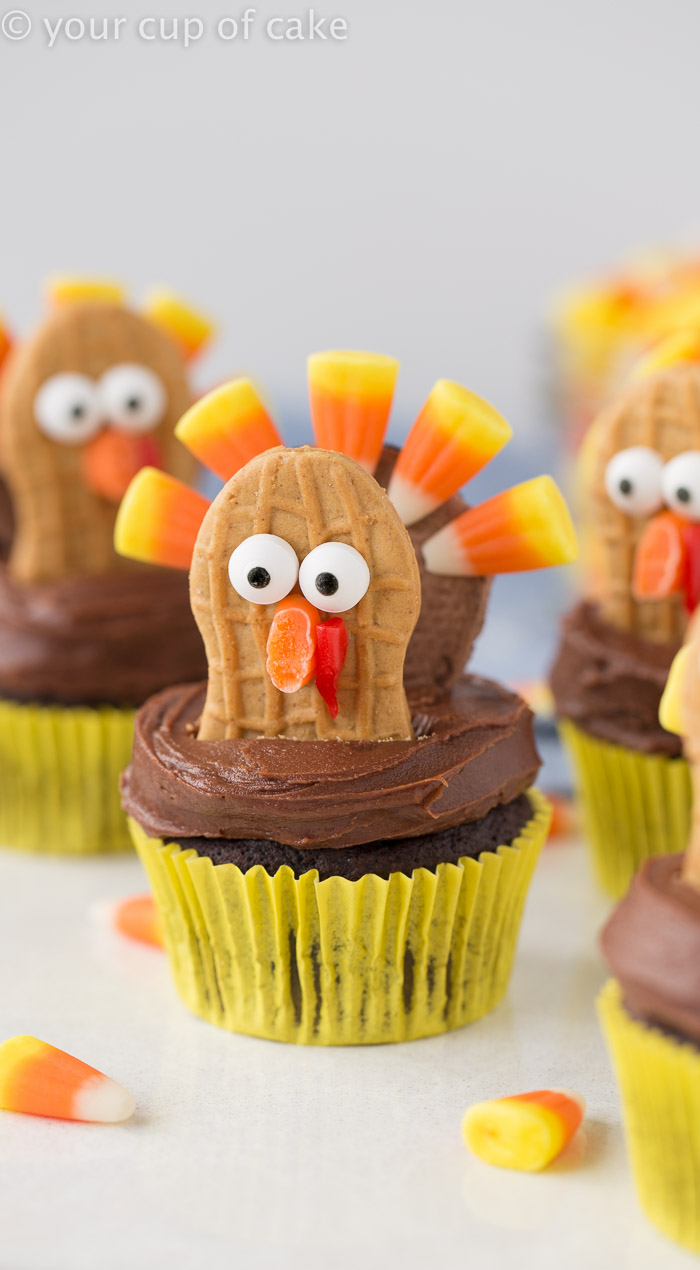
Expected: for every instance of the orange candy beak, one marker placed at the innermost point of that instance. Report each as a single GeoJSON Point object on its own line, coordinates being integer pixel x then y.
{"type": "Point", "coordinates": [659, 558]}
{"type": "Point", "coordinates": [112, 459]}
{"type": "Point", "coordinates": [291, 644]}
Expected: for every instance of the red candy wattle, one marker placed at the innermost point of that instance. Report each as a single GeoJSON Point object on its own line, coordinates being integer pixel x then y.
{"type": "Point", "coordinates": [691, 570]}
{"type": "Point", "coordinates": [331, 651]}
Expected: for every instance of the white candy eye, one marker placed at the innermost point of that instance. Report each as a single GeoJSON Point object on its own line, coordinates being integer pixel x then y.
{"type": "Point", "coordinates": [133, 397]}
{"type": "Point", "coordinates": [681, 484]}
{"type": "Point", "coordinates": [67, 408]}
{"type": "Point", "coordinates": [633, 480]}
{"type": "Point", "coordinates": [263, 569]}
{"type": "Point", "coordinates": [334, 577]}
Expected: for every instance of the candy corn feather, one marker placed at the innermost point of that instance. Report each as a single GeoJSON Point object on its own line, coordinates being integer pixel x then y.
{"type": "Point", "coordinates": [351, 396]}
{"type": "Point", "coordinates": [159, 520]}
{"type": "Point", "coordinates": [228, 428]}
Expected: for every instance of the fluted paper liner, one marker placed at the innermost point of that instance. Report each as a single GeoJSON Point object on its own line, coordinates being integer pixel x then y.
{"type": "Point", "coordinates": [659, 1081]}
{"type": "Point", "coordinates": [59, 777]}
{"type": "Point", "coordinates": [339, 962]}
{"type": "Point", "coordinates": [633, 805]}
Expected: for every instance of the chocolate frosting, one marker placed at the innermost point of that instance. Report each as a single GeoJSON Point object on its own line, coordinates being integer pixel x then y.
{"type": "Point", "coordinates": [475, 751]}
{"type": "Point", "coordinates": [609, 682]}
{"type": "Point", "coordinates": [652, 945]}
{"type": "Point", "coordinates": [110, 639]}
{"type": "Point", "coordinates": [452, 609]}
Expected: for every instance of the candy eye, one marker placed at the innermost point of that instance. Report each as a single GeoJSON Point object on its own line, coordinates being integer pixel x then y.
{"type": "Point", "coordinates": [633, 480]}
{"type": "Point", "coordinates": [133, 397]}
{"type": "Point", "coordinates": [681, 484]}
{"type": "Point", "coordinates": [67, 409]}
{"type": "Point", "coordinates": [334, 577]}
{"type": "Point", "coordinates": [263, 569]}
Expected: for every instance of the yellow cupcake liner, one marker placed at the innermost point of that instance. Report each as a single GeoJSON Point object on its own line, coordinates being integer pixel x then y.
{"type": "Point", "coordinates": [633, 805]}
{"type": "Point", "coordinates": [339, 962]}
{"type": "Point", "coordinates": [59, 777]}
{"type": "Point", "coordinates": [659, 1081]}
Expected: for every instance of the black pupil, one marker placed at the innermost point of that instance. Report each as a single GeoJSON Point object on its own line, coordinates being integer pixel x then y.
{"type": "Point", "coordinates": [683, 494]}
{"type": "Point", "coordinates": [78, 410]}
{"type": "Point", "coordinates": [326, 583]}
{"type": "Point", "coordinates": [134, 403]}
{"type": "Point", "coordinates": [258, 577]}
{"type": "Point", "coordinates": [626, 485]}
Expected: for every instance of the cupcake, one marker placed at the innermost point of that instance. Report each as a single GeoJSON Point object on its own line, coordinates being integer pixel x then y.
{"type": "Point", "coordinates": [640, 472]}
{"type": "Point", "coordinates": [650, 1011]}
{"type": "Point", "coordinates": [339, 825]}
{"type": "Point", "coordinates": [87, 400]}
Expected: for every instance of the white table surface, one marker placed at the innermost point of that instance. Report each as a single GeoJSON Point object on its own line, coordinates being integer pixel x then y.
{"type": "Point", "coordinates": [245, 1153]}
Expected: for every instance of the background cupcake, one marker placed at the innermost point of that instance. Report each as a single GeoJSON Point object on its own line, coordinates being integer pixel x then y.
{"type": "Point", "coordinates": [641, 496]}
{"type": "Point", "coordinates": [87, 400]}
{"type": "Point", "coordinates": [334, 862]}
{"type": "Point", "coordinates": [650, 1011]}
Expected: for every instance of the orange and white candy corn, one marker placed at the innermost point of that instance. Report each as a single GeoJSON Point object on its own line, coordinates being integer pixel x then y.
{"type": "Point", "coordinates": [351, 396]}
{"type": "Point", "coordinates": [227, 428]}
{"type": "Point", "coordinates": [453, 438]}
{"type": "Point", "coordinates": [138, 919]}
{"type": "Point", "coordinates": [159, 519]}
{"type": "Point", "coordinates": [189, 328]}
{"type": "Point", "coordinates": [526, 1131]}
{"type": "Point", "coordinates": [526, 527]}
{"type": "Point", "coordinates": [69, 289]}
{"type": "Point", "coordinates": [39, 1080]}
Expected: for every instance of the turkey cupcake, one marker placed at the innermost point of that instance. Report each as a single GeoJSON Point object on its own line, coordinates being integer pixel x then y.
{"type": "Point", "coordinates": [650, 1011]}
{"type": "Point", "coordinates": [640, 473]}
{"type": "Point", "coordinates": [85, 402]}
{"type": "Point", "coordinates": [337, 859]}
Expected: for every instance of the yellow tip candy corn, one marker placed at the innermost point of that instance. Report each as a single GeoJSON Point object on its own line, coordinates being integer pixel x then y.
{"type": "Point", "coordinates": [351, 395]}
{"type": "Point", "coordinates": [39, 1080]}
{"type": "Point", "coordinates": [159, 520]}
{"type": "Point", "coordinates": [453, 438]}
{"type": "Point", "coordinates": [190, 329]}
{"type": "Point", "coordinates": [526, 1131]}
{"type": "Point", "coordinates": [671, 709]}
{"type": "Point", "coordinates": [67, 289]}
{"type": "Point", "coordinates": [681, 346]}
{"type": "Point", "coordinates": [526, 527]}
{"type": "Point", "coordinates": [227, 428]}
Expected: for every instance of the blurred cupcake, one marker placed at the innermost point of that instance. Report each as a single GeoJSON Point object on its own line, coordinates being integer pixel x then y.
{"type": "Point", "coordinates": [336, 862]}
{"type": "Point", "coordinates": [640, 472]}
{"type": "Point", "coordinates": [85, 402]}
{"type": "Point", "coordinates": [650, 1011]}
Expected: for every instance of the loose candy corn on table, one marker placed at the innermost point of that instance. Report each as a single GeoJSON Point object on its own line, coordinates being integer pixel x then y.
{"type": "Point", "coordinates": [247, 1153]}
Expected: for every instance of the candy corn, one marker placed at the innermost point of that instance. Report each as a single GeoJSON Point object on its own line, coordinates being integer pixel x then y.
{"type": "Point", "coordinates": [227, 428]}
{"type": "Point", "coordinates": [453, 438]}
{"type": "Point", "coordinates": [351, 395]}
{"type": "Point", "coordinates": [39, 1080]}
{"type": "Point", "coordinates": [526, 527]}
{"type": "Point", "coordinates": [159, 520]}
{"type": "Point", "coordinates": [66, 289]}
{"type": "Point", "coordinates": [190, 330]}
{"type": "Point", "coordinates": [659, 558]}
{"type": "Point", "coordinates": [5, 341]}
{"type": "Point", "coordinates": [526, 1131]}
{"type": "Point", "coordinates": [138, 919]}
{"type": "Point", "coordinates": [291, 644]}
{"type": "Point", "coordinates": [681, 346]}
{"type": "Point", "coordinates": [672, 709]}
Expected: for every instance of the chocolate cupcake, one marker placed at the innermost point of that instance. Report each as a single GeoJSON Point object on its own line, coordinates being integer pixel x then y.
{"type": "Point", "coordinates": [650, 1011]}
{"type": "Point", "coordinates": [85, 638]}
{"type": "Point", "coordinates": [339, 826]}
{"type": "Point", "coordinates": [641, 484]}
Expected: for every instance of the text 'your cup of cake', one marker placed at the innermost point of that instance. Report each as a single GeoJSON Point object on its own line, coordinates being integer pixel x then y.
{"type": "Point", "coordinates": [340, 850]}
{"type": "Point", "coordinates": [85, 402]}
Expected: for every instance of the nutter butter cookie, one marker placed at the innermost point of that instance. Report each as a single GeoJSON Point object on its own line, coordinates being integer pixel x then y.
{"type": "Point", "coordinates": [305, 745]}
{"type": "Point", "coordinates": [85, 401]}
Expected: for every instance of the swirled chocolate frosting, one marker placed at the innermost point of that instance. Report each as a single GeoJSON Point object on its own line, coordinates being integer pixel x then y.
{"type": "Point", "coordinates": [475, 751]}
{"type": "Point", "coordinates": [610, 682]}
{"type": "Point", "coordinates": [652, 945]}
{"type": "Point", "coordinates": [110, 639]}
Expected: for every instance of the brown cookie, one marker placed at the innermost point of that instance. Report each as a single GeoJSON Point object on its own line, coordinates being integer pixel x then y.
{"type": "Point", "coordinates": [663, 413]}
{"type": "Point", "coordinates": [63, 524]}
{"type": "Point", "coordinates": [307, 497]}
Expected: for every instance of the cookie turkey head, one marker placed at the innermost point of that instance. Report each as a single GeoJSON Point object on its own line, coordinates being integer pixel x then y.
{"type": "Point", "coordinates": [85, 403]}
{"type": "Point", "coordinates": [304, 580]}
